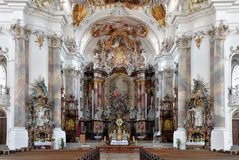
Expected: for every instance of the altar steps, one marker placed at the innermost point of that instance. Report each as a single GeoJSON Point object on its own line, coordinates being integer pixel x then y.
{"type": "Point", "coordinates": [155, 145]}
{"type": "Point", "coordinates": [81, 145]}
{"type": "Point", "coordinates": [73, 145]}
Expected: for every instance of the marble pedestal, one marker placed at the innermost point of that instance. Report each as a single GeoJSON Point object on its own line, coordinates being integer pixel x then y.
{"type": "Point", "coordinates": [58, 134]}
{"type": "Point", "coordinates": [18, 138]}
{"type": "Point", "coordinates": [219, 139]}
{"type": "Point", "coordinates": [180, 133]}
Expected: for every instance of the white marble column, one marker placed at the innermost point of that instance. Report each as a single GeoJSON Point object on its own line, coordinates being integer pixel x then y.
{"type": "Point", "coordinates": [217, 37]}
{"type": "Point", "coordinates": [158, 85]}
{"type": "Point", "coordinates": [70, 81]}
{"type": "Point", "coordinates": [79, 90]}
{"type": "Point", "coordinates": [184, 86]}
{"type": "Point", "coordinates": [167, 83]}
{"type": "Point", "coordinates": [55, 84]}
{"type": "Point", "coordinates": [19, 134]}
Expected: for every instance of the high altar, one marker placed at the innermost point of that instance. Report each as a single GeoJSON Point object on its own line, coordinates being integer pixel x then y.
{"type": "Point", "coordinates": [119, 83]}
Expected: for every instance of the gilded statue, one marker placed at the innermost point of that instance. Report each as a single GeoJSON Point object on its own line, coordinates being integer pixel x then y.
{"type": "Point", "coordinates": [79, 13]}
{"type": "Point", "coordinates": [158, 12]}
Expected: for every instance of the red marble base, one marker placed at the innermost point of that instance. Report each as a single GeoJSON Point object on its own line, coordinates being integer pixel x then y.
{"type": "Point", "coordinates": [119, 149]}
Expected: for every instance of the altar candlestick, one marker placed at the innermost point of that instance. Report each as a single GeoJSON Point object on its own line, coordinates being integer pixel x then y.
{"type": "Point", "coordinates": [92, 111]}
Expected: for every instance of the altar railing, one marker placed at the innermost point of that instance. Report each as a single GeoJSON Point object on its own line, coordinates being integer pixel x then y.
{"type": "Point", "coordinates": [233, 98]}
{"type": "Point", "coordinates": [92, 155]}
{"type": "Point", "coordinates": [145, 155]}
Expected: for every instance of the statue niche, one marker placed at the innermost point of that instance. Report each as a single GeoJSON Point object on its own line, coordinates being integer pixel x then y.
{"type": "Point", "coordinates": [199, 117]}
{"type": "Point", "coordinates": [39, 116]}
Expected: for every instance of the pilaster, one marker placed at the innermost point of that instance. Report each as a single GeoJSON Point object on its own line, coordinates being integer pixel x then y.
{"type": "Point", "coordinates": [21, 87]}
{"type": "Point", "coordinates": [217, 37]}
{"type": "Point", "coordinates": [184, 86]}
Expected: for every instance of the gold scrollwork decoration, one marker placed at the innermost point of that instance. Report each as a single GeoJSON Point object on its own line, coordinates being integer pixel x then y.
{"type": "Point", "coordinates": [79, 13]}
{"type": "Point", "coordinates": [40, 38]}
{"type": "Point", "coordinates": [159, 13]}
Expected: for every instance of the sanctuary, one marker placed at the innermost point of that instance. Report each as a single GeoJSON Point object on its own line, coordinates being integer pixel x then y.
{"type": "Point", "coordinates": [119, 72]}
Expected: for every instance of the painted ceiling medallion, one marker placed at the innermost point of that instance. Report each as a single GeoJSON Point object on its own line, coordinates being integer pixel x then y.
{"type": "Point", "coordinates": [159, 13]}
{"type": "Point", "coordinates": [79, 13]}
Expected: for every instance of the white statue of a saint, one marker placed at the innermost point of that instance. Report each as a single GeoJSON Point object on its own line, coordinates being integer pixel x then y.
{"type": "Point", "coordinates": [132, 113]}
{"type": "Point", "coordinates": [106, 112]}
{"type": "Point", "coordinates": [41, 118]}
{"type": "Point", "coordinates": [98, 114]}
{"type": "Point", "coordinates": [96, 61]}
{"type": "Point", "coordinates": [87, 113]}
{"type": "Point", "coordinates": [139, 114]}
{"type": "Point", "coordinates": [198, 116]}
{"type": "Point", "coordinates": [151, 113]}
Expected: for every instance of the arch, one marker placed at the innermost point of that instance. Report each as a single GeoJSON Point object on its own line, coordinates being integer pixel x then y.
{"type": "Point", "coordinates": [235, 127]}
{"type": "Point", "coordinates": [155, 35]}
{"type": "Point", "coordinates": [3, 74]}
{"type": "Point", "coordinates": [3, 127]}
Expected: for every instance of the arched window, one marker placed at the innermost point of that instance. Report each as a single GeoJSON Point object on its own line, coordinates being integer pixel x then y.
{"type": "Point", "coordinates": [235, 79]}
{"type": "Point", "coordinates": [3, 78]}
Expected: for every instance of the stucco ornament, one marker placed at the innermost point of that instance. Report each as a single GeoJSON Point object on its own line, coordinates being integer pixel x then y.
{"type": "Point", "coordinates": [43, 3]}
{"type": "Point", "coordinates": [195, 4]}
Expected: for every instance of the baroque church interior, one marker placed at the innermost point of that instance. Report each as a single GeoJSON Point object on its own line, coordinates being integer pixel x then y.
{"type": "Point", "coordinates": [119, 75]}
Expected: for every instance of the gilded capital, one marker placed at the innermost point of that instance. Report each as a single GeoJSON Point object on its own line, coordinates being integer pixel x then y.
{"type": "Point", "coordinates": [219, 32]}
{"type": "Point", "coordinates": [20, 31]}
{"type": "Point", "coordinates": [184, 42]}
{"type": "Point", "coordinates": [55, 41]}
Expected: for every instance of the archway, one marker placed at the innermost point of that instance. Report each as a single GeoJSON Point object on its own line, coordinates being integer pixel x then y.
{"type": "Point", "coordinates": [3, 127]}
{"type": "Point", "coordinates": [235, 128]}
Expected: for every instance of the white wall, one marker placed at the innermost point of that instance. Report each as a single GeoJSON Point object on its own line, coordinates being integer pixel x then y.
{"type": "Point", "coordinates": [200, 61]}
{"type": "Point", "coordinates": [38, 65]}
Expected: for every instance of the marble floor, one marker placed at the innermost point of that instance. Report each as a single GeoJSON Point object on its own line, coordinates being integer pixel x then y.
{"type": "Point", "coordinates": [119, 156]}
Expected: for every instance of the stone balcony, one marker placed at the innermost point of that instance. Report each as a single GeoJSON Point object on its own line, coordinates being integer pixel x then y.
{"type": "Point", "coordinates": [233, 98]}
{"type": "Point", "coordinates": [4, 97]}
